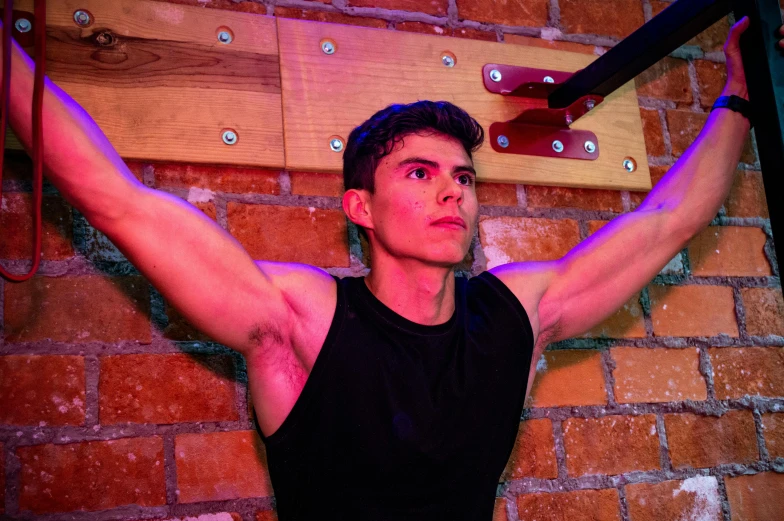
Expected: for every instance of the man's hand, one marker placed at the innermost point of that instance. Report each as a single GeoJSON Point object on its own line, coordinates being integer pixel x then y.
{"type": "Point", "coordinates": [736, 76]}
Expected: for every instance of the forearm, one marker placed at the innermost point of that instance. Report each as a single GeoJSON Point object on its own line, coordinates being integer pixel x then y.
{"type": "Point", "coordinates": [78, 158]}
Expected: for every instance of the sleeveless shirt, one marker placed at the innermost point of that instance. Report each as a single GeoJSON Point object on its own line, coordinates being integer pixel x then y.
{"type": "Point", "coordinates": [403, 421]}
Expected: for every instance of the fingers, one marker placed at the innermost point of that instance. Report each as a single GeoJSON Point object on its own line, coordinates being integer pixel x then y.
{"type": "Point", "coordinates": [732, 45]}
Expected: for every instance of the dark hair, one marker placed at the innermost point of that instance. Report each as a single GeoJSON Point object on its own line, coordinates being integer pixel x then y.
{"type": "Point", "coordinates": [377, 137]}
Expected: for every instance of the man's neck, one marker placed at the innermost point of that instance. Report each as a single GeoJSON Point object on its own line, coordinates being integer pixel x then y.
{"type": "Point", "coordinates": [422, 294]}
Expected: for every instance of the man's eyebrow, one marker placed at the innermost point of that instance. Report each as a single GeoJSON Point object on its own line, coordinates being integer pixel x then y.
{"type": "Point", "coordinates": [433, 164]}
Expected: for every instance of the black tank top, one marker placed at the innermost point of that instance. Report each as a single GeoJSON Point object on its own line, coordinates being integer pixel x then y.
{"type": "Point", "coordinates": [403, 421]}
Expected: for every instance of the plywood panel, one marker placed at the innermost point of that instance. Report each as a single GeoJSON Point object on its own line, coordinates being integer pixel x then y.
{"type": "Point", "coordinates": [326, 95]}
{"type": "Point", "coordinates": [155, 78]}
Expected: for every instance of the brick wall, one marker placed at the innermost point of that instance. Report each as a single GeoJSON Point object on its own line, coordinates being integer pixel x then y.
{"type": "Point", "coordinates": [114, 407]}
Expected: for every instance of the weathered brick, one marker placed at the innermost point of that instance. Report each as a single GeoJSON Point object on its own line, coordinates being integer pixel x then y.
{"type": "Point", "coordinates": [759, 497]}
{"type": "Point", "coordinates": [2, 478]}
{"type": "Point", "coordinates": [773, 430]}
{"type": "Point", "coordinates": [533, 454]}
{"type": "Point", "coordinates": [736, 251]}
{"type": "Point", "coordinates": [667, 79]}
{"type": "Point", "coordinates": [711, 78]}
{"type": "Point", "coordinates": [550, 44]}
{"type": "Point", "coordinates": [584, 198]}
{"type": "Point", "coordinates": [218, 516]}
{"type": "Point", "coordinates": [330, 17]}
{"type": "Point", "coordinates": [618, 18]}
{"type": "Point", "coordinates": [291, 234]}
{"type": "Point", "coordinates": [711, 39]}
{"type": "Point", "coordinates": [266, 515]}
{"type": "Point", "coordinates": [568, 377]}
{"type": "Point", "coordinates": [458, 32]}
{"type": "Point", "coordinates": [94, 475]}
{"type": "Point", "coordinates": [221, 465]}
{"type": "Point", "coordinates": [16, 221]}
{"type": "Point", "coordinates": [692, 310]}
{"type": "Point", "coordinates": [636, 198]}
{"type": "Point", "coordinates": [42, 390]}
{"type": "Point", "coordinates": [627, 322]}
{"type": "Point", "coordinates": [690, 499]}
{"type": "Point", "coordinates": [312, 183]}
{"type": "Point", "coordinates": [741, 371]}
{"type": "Point", "coordinates": [180, 329]}
{"type": "Point", "coordinates": [86, 308]}
{"type": "Point", "coordinates": [747, 196]}
{"type": "Point", "coordinates": [611, 444]}
{"type": "Point", "coordinates": [496, 194]}
{"type": "Point", "coordinates": [707, 441]}
{"type": "Point", "coordinates": [531, 13]}
{"type": "Point", "coordinates": [764, 311]}
{"type": "Point", "coordinates": [217, 178]}
{"type": "Point", "coordinates": [579, 505]}
{"type": "Point", "coordinates": [167, 388]}
{"type": "Point", "coordinates": [686, 125]}
{"type": "Point", "coordinates": [657, 375]}
{"type": "Point", "coordinates": [434, 7]}
{"type": "Point", "coordinates": [207, 208]}
{"type": "Point", "coordinates": [499, 509]}
{"type": "Point", "coordinates": [653, 132]}
{"type": "Point", "coordinates": [516, 239]}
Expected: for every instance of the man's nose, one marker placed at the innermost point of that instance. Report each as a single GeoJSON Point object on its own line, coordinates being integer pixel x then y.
{"type": "Point", "coordinates": [451, 190]}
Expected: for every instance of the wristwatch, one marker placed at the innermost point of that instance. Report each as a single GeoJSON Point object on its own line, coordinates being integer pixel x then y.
{"type": "Point", "coordinates": [735, 103]}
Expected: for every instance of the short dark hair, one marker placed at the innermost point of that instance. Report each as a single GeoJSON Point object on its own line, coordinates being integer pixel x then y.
{"type": "Point", "coordinates": [377, 137]}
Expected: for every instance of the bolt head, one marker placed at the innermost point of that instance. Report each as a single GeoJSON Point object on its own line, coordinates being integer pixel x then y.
{"type": "Point", "coordinates": [229, 137]}
{"type": "Point", "coordinates": [590, 147]}
{"type": "Point", "coordinates": [224, 37]}
{"type": "Point", "coordinates": [23, 25]}
{"type": "Point", "coordinates": [336, 145]}
{"type": "Point", "coordinates": [328, 48]}
{"type": "Point", "coordinates": [447, 60]}
{"type": "Point", "coordinates": [548, 79]}
{"type": "Point", "coordinates": [503, 141]}
{"type": "Point", "coordinates": [495, 75]}
{"type": "Point", "coordinates": [81, 17]}
{"type": "Point", "coordinates": [629, 165]}
{"type": "Point", "coordinates": [558, 146]}
{"type": "Point", "coordinates": [569, 120]}
{"type": "Point", "coordinates": [590, 104]}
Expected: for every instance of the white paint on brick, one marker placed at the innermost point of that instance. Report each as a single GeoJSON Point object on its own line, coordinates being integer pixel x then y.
{"type": "Point", "coordinates": [200, 195]}
{"type": "Point", "coordinates": [706, 505]}
{"type": "Point", "coordinates": [541, 365]}
{"type": "Point", "coordinates": [551, 33]}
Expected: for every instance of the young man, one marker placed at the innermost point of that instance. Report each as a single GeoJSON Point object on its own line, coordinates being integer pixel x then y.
{"type": "Point", "coordinates": [398, 395]}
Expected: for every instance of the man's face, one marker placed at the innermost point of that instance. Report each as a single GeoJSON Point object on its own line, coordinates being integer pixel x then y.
{"type": "Point", "coordinates": [425, 179]}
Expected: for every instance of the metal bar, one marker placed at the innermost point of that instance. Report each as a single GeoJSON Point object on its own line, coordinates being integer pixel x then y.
{"type": "Point", "coordinates": [647, 45]}
{"type": "Point", "coordinates": [763, 61]}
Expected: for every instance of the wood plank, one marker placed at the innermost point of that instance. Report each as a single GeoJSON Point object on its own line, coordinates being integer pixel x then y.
{"type": "Point", "coordinates": [326, 95]}
{"type": "Point", "coordinates": [155, 78]}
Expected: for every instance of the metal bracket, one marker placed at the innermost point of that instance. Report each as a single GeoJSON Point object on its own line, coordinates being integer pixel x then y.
{"type": "Point", "coordinates": [540, 131]}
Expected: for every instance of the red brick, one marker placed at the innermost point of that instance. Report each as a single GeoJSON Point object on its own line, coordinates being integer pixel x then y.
{"type": "Point", "coordinates": [458, 32]}
{"type": "Point", "coordinates": [773, 430]}
{"type": "Point", "coordinates": [711, 77]}
{"type": "Point", "coordinates": [516, 239]}
{"type": "Point", "coordinates": [764, 311]}
{"type": "Point", "coordinates": [711, 39]}
{"type": "Point", "coordinates": [94, 475]}
{"type": "Point", "coordinates": [2, 478]}
{"type": "Point", "coordinates": [180, 329]}
{"type": "Point", "coordinates": [207, 209]}
{"type": "Point", "coordinates": [28, 399]}
{"type": "Point", "coordinates": [291, 234]}
{"type": "Point", "coordinates": [330, 17]}
{"type": "Point", "coordinates": [568, 378]}
{"type": "Point", "coordinates": [627, 322]}
{"type": "Point", "coordinates": [668, 79]}
{"type": "Point", "coordinates": [550, 44]}
{"type": "Point", "coordinates": [657, 375]}
{"type": "Point", "coordinates": [686, 125]}
{"type": "Point", "coordinates": [227, 5]}
{"type": "Point", "coordinates": [579, 505]}
{"type": "Point", "coordinates": [611, 444]}
{"type": "Point", "coordinates": [167, 388]}
{"type": "Point", "coordinates": [474, 34]}
{"type": "Point", "coordinates": [618, 18]}
{"type": "Point", "coordinates": [692, 310]}
{"type": "Point", "coordinates": [267, 515]}
{"type": "Point", "coordinates": [741, 371]}
{"type": "Point", "coordinates": [735, 251]}
{"type": "Point", "coordinates": [499, 510]}
{"type": "Point", "coordinates": [707, 441]}
{"type": "Point", "coordinates": [496, 194]}
{"type": "Point", "coordinates": [221, 465]}
{"type": "Point", "coordinates": [747, 196]}
{"type": "Point", "coordinates": [584, 198]}
{"type": "Point", "coordinates": [312, 183]}
{"type": "Point", "coordinates": [434, 7]}
{"type": "Point", "coordinates": [657, 172]}
{"type": "Point", "coordinates": [218, 516]}
{"type": "Point", "coordinates": [16, 221]}
{"type": "Point", "coordinates": [759, 497]}
{"type": "Point", "coordinates": [531, 13]}
{"type": "Point", "coordinates": [217, 178]}
{"type": "Point", "coordinates": [690, 499]}
{"type": "Point", "coordinates": [652, 130]}
{"type": "Point", "coordinates": [87, 308]}
{"type": "Point", "coordinates": [533, 454]}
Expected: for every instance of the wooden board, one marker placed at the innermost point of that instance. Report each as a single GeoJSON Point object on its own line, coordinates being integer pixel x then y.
{"type": "Point", "coordinates": [162, 87]}
{"type": "Point", "coordinates": [326, 95]}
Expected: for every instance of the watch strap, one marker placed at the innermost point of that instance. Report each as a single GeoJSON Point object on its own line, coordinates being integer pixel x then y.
{"type": "Point", "coordinates": [735, 103]}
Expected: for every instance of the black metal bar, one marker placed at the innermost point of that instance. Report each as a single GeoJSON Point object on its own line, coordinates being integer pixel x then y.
{"type": "Point", "coordinates": [667, 31]}
{"type": "Point", "coordinates": [763, 61]}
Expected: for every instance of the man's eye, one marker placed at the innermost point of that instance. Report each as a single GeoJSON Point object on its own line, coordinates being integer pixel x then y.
{"type": "Point", "coordinates": [417, 176]}
{"type": "Point", "coordinates": [465, 180]}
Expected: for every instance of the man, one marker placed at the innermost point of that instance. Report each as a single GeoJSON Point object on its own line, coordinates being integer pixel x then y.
{"type": "Point", "coordinates": [398, 395]}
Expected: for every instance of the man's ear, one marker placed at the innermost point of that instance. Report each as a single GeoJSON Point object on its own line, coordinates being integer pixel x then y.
{"type": "Point", "coordinates": [356, 204]}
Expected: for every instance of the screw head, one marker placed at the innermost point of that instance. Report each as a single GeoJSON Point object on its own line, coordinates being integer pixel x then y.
{"type": "Point", "coordinates": [629, 165]}
{"type": "Point", "coordinates": [503, 141]}
{"type": "Point", "coordinates": [336, 144]}
{"type": "Point", "coordinates": [548, 79]}
{"type": "Point", "coordinates": [447, 60]}
{"type": "Point", "coordinates": [590, 104]}
{"type": "Point", "coordinates": [328, 48]}
{"type": "Point", "coordinates": [495, 75]}
{"type": "Point", "coordinates": [569, 120]}
{"type": "Point", "coordinates": [224, 37]}
{"type": "Point", "coordinates": [82, 17]}
{"type": "Point", "coordinates": [558, 146]}
{"type": "Point", "coordinates": [23, 25]}
{"type": "Point", "coordinates": [590, 147]}
{"type": "Point", "coordinates": [229, 137]}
